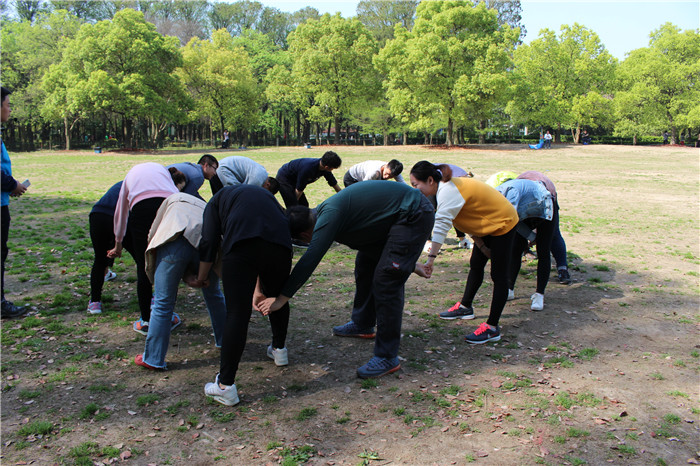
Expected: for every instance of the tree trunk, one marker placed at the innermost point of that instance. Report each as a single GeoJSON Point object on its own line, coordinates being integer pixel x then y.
{"type": "Point", "coordinates": [66, 129]}
{"type": "Point", "coordinates": [482, 136]}
{"type": "Point", "coordinates": [450, 124]}
{"type": "Point", "coordinates": [336, 125]}
{"type": "Point", "coordinates": [634, 140]}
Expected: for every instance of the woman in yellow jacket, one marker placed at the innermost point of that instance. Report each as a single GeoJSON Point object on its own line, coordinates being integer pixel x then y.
{"type": "Point", "coordinates": [482, 212]}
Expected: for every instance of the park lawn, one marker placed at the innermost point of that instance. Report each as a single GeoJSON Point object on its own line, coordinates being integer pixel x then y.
{"type": "Point", "coordinates": [607, 372]}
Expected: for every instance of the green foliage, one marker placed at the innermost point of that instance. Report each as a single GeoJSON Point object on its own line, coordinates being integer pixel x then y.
{"type": "Point", "coordinates": [305, 413]}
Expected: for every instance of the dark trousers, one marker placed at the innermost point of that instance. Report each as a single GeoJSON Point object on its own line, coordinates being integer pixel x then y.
{"type": "Point", "coordinates": [348, 180]}
{"type": "Point", "coordinates": [381, 272]}
{"type": "Point", "coordinates": [102, 237]}
{"type": "Point", "coordinates": [501, 248]}
{"type": "Point", "coordinates": [558, 244]}
{"type": "Point", "coordinates": [247, 261]}
{"type": "Point", "coordinates": [141, 218]}
{"type": "Point", "coordinates": [5, 250]}
{"type": "Point", "coordinates": [289, 195]}
{"type": "Point", "coordinates": [545, 231]}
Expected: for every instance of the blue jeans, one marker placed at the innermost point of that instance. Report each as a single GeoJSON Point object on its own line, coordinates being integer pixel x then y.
{"type": "Point", "coordinates": [173, 260]}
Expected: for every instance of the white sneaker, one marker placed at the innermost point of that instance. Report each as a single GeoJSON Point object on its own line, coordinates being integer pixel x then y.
{"type": "Point", "coordinates": [537, 302]}
{"type": "Point", "coordinates": [511, 295]}
{"type": "Point", "coordinates": [464, 243]}
{"type": "Point", "coordinates": [279, 355]}
{"type": "Point", "coordinates": [428, 245]}
{"type": "Point", "coordinates": [227, 396]}
{"type": "Point", "coordinates": [109, 276]}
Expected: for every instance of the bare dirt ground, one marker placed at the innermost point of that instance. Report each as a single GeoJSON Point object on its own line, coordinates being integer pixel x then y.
{"type": "Point", "coordinates": [606, 374]}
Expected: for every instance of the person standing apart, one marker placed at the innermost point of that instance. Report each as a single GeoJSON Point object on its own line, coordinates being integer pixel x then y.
{"type": "Point", "coordinates": [10, 187]}
{"type": "Point", "coordinates": [144, 189]}
{"type": "Point", "coordinates": [547, 140]}
{"type": "Point", "coordinates": [248, 226]}
{"type": "Point", "coordinates": [295, 175]}
{"type": "Point", "coordinates": [479, 210]}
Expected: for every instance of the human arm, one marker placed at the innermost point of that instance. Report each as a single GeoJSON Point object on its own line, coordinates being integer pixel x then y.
{"type": "Point", "coordinates": [336, 187]}
{"type": "Point", "coordinates": [269, 305]}
{"type": "Point", "coordinates": [202, 280]}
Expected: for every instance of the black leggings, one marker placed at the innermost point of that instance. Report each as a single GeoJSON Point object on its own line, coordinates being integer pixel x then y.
{"type": "Point", "coordinates": [141, 218]}
{"type": "Point", "coordinates": [545, 233]}
{"type": "Point", "coordinates": [501, 247]}
{"type": "Point", "coordinates": [289, 195]}
{"type": "Point", "coordinates": [3, 239]}
{"type": "Point", "coordinates": [102, 236]}
{"type": "Point", "coordinates": [248, 260]}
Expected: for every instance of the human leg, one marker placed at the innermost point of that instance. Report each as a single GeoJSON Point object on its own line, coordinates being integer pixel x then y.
{"type": "Point", "coordinates": [519, 247]}
{"type": "Point", "coordinates": [545, 232]}
{"type": "Point", "coordinates": [171, 263]}
{"type": "Point", "coordinates": [102, 237]}
{"type": "Point", "coordinates": [216, 306]}
{"type": "Point", "coordinates": [276, 263]}
{"type": "Point", "coordinates": [288, 193]}
{"type": "Point", "coordinates": [501, 250]}
{"type": "Point", "coordinates": [5, 250]}
{"type": "Point", "coordinates": [475, 278]}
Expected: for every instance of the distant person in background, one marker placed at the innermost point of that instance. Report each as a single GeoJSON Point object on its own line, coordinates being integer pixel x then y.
{"type": "Point", "coordinates": [666, 137]}
{"type": "Point", "coordinates": [295, 175]}
{"type": "Point", "coordinates": [195, 174]}
{"type": "Point", "coordinates": [237, 170]}
{"type": "Point", "coordinates": [226, 142]}
{"type": "Point", "coordinates": [374, 170]}
{"type": "Point", "coordinates": [144, 189]}
{"type": "Point", "coordinates": [547, 140]}
{"type": "Point", "coordinates": [10, 187]}
{"type": "Point", "coordinates": [585, 137]}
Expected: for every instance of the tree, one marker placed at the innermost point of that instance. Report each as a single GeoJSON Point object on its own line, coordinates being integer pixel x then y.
{"type": "Point", "coordinates": [453, 62]}
{"type": "Point", "coordinates": [380, 17]}
{"type": "Point", "coordinates": [217, 74]}
{"type": "Point", "coordinates": [28, 10]}
{"type": "Point", "coordinates": [332, 63]}
{"type": "Point", "coordinates": [124, 66]}
{"type": "Point", "coordinates": [508, 12]}
{"type": "Point", "coordinates": [563, 82]}
{"type": "Point", "coordinates": [658, 85]}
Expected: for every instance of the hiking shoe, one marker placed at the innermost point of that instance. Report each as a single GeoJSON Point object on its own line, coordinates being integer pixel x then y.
{"type": "Point", "coordinates": [464, 243]}
{"type": "Point", "coordinates": [227, 396]}
{"type": "Point", "coordinates": [352, 330]}
{"type": "Point", "coordinates": [9, 310]}
{"type": "Point", "coordinates": [458, 312]}
{"type": "Point", "coordinates": [138, 360]}
{"type": "Point", "coordinates": [141, 326]}
{"type": "Point", "coordinates": [94, 307]}
{"type": "Point", "coordinates": [377, 367]}
{"type": "Point", "coordinates": [109, 276]}
{"type": "Point", "coordinates": [564, 277]}
{"type": "Point", "coordinates": [175, 322]}
{"type": "Point", "coordinates": [279, 355]}
{"type": "Point", "coordinates": [511, 295]}
{"type": "Point", "coordinates": [483, 334]}
{"type": "Point", "coordinates": [537, 302]}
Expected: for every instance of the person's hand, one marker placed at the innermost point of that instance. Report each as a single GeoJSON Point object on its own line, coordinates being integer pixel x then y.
{"type": "Point", "coordinates": [264, 307]}
{"type": "Point", "coordinates": [19, 190]}
{"type": "Point", "coordinates": [428, 268]}
{"type": "Point", "coordinates": [116, 251]}
{"type": "Point", "coordinates": [257, 299]}
{"type": "Point", "coordinates": [195, 282]}
{"type": "Point", "coordinates": [420, 271]}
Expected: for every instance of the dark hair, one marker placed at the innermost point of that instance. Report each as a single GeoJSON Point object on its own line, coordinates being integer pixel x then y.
{"type": "Point", "coordinates": [5, 93]}
{"type": "Point", "coordinates": [396, 167]}
{"type": "Point", "coordinates": [424, 169]}
{"type": "Point", "coordinates": [273, 185]}
{"type": "Point", "coordinates": [177, 176]}
{"type": "Point", "coordinates": [209, 160]}
{"type": "Point", "coordinates": [300, 219]}
{"type": "Point", "coordinates": [330, 159]}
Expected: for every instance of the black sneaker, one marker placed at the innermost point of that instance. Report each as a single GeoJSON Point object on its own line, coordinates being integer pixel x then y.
{"type": "Point", "coordinates": [564, 277]}
{"type": "Point", "coordinates": [458, 312]}
{"type": "Point", "coordinates": [351, 329]}
{"type": "Point", "coordinates": [9, 310]}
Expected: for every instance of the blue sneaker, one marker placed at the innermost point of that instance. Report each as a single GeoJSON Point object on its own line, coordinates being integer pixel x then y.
{"type": "Point", "coordinates": [377, 367]}
{"type": "Point", "coordinates": [175, 322]}
{"type": "Point", "coordinates": [141, 326]}
{"type": "Point", "coordinates": [351, 329]}
{"type": "Point", "coordinates": [483, 334]}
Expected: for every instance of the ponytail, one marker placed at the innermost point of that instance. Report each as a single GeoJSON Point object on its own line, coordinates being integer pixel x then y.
{"type": "Point", "coordinates": [424, 169]}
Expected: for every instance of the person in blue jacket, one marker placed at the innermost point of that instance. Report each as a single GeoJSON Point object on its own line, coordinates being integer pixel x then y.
{"type": "Point", "coordinates": [196, 173]}
{"type": "Point", "coordinates": [10, 187]}
{"type": "Point", "coordinates": [295, 175]}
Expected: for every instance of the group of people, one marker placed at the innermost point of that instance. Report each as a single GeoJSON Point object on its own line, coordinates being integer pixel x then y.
{"type": "Point", "coordinates": [238, 247]}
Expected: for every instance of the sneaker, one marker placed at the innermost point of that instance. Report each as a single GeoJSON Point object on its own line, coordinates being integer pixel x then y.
{"type": "Point", "coordinates": [564, 277]}
{"type": "Point", "coordinates": [377, 367]}
{"type": "Point", "coordinates": [9, 310]}
{"type": "Point", "coordinates": [511, 295]}
{"type": "Point", "coordinates": [464, 243]}
{"type": "Point", "coordinates": [483, 334]}
{"type": "Point", "coordinates": [175, 322]}
{"type": "Point", "coordinates": [352, 330]}
{"type": "Point", "coordinates": [227, 396]}
{"type": "Point", "coordinates": [138, 360]}
{"type": "Point", "coordinates": [109, 276]}
{"type": "Point", "coordinates": [458, 312]}
{"type": "Point", "coordinates": [94, 307]}
{"type": "Point", "coordinates": [141, 326]}
{"type": "Point", "coordinates": [428, 245]}
{"type": "Point", "coordinates": [279, 355]}
{"type": "Point", "coordinates": [300, 244]}
{"type": "Point", "coordinates": [537, 302]}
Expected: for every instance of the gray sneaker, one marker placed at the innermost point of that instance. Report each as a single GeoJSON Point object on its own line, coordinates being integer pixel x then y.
{"type": "Point", "coordinates": [351, 329]}
{"type": "Point", "coordinates": [458, 312]}
{"type": "Point", "coordinates": [280, 355]}
{"type": "Point", "coordinates": [227, 396]}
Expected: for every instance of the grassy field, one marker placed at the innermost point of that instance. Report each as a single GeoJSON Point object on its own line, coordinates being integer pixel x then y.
{"type": "Point", "coordinates": [607, 373]}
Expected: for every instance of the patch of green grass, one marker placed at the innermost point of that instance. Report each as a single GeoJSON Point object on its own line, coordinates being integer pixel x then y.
{"type": "Point", "coordinates": [575, 461]}
{"type": "Point", "coordinates": [223, 417]}
{"type": "Point", "coordinates": [601, 268]}
{"type": "Point", "coordinates": [145, 400]}
{"type": "Point", "coordinates": [574, 432]}
{"type": "Point", "coordinates": [29, 394]}
{"type": "Point", "coordinates": [306, 413]}
{"type": "Point", "coordinates": [399, 411]}
{"type": "Point", "coordinates": [657, 376]}
{"type": "Point", "coordinates": [88, 411]}
{"type": "Point", "coordinates": [269, 399]}
{"type": "Point", "coordinates": [678, 393]}
{"type": "Point", "coordinates": [342, 420]}
{"type": "Point", "coordinates": [84, 450]}
{"type": "Point", "coordinates": [369, 383]}
{"type": "Point", "coordinates": [559, 439]}
{"type": "Point", "coordinates": [35, 428]}
{"type": "Point", "coordinates": [273, 445]}
{"type": "Point", "coordinates": [627, 450]}
{"type": "Point", "coordinates": [174, 408]}
{"type": "Point", "coordinates": [672, 419]}
{"type": "Point", "coordinates": [587, 353]}
{"type": "Point", "coordinates": [451, 390]}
